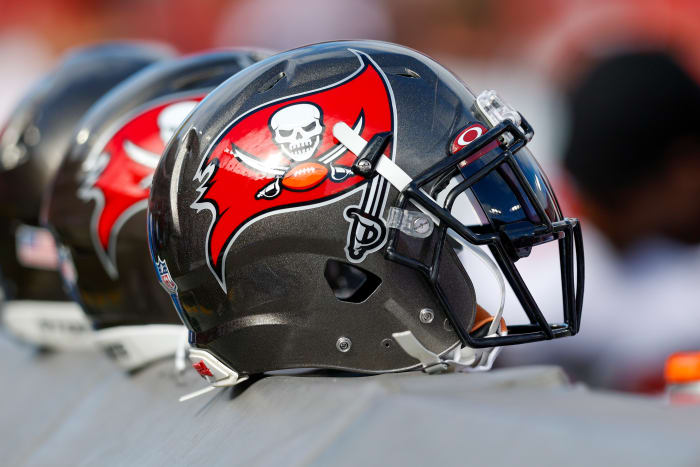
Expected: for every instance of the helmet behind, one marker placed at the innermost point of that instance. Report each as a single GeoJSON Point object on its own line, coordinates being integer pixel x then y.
{"type": "Point", "coordinates": [32, 145]}
{"type": "Point", "coordinates": [97, 206]}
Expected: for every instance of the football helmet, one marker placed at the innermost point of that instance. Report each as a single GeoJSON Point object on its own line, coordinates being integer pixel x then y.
{"type": "Point", "coordinates": [309, 214]}
{"type": "Point", "coordinates": [31, 145]}
{"type": "Point", "coordinates": [97, 205]}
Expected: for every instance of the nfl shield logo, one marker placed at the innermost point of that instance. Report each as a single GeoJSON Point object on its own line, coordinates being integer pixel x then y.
{"type": "Point", "coordinates": [165, 279]}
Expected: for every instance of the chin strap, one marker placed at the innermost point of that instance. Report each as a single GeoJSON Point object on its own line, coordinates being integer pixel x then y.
{"type": "Point", "coordinates": [459, 359]}
{"type": "Point", "coordinates": [217, 374]}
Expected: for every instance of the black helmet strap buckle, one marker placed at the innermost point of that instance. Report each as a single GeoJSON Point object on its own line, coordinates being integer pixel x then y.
{"type": "Point", "coordinates": [366, 163]}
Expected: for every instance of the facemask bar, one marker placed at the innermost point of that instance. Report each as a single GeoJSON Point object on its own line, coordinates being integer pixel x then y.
{"type": "Point", "coordinates": [567, 232]}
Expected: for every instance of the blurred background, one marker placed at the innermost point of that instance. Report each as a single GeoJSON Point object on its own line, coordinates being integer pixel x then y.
{"type": "Point", "coordinates": [610, 87]}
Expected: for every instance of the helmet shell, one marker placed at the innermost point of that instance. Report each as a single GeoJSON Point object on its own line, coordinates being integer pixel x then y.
{"type": "Point", "coordinates": [256, 267]}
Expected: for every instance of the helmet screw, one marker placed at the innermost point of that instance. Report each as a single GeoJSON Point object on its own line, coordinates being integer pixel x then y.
{"type": "Point", "coordinates": [426, 316]}
{"type": "Point", "coordinates": [364, 165]}
{"type": "Point", "coordinates": [343, 344]}
{"type": "Point", "coordinates": [421, 225]}
{"type": "Point", "coordinates": [82, 136]}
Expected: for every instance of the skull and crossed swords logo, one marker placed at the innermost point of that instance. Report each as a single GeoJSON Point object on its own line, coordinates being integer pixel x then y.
{"type": "Point", "coordinates": [281, 156]}
{"type": "Point", "coordinates": [117, 175]}
{"type": "Point", "coordinates": [297, 130]}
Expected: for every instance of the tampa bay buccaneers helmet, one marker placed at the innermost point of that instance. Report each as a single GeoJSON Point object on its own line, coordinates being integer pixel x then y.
{"type": "Point", "coordinates": [309, 214]}
{"type": "Point", "coordinates": [97, 206]}
{"type": "Point", "coordinates": [31, 146]}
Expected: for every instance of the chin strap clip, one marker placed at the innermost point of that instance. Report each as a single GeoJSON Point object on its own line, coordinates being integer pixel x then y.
{"type": "Point", "coordinates": [217, 374]}
{"type": "Point", "coordinates": [460, 359]}
{"type": "Point", "coordinates": [370, 158]}
{"type": "Point", "coordinates": [367, 159]}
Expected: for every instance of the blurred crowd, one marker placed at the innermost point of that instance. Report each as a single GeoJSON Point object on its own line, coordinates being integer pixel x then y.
{"type": "Point", "coordinates": [611, 88]}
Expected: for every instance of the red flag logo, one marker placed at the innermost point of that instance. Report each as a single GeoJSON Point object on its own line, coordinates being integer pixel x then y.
{"type": "Point", "coordinates": [282, 156]}
{"type": "Point", "coordinates": [119, 174]}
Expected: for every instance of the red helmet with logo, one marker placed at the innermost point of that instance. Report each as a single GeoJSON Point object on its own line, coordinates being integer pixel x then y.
{"type": "Point", "coordinates": [312, 212]}
{"type": "Point", "coordinates": [97, 206]}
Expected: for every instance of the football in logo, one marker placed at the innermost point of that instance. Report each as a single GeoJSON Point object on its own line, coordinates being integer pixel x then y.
{"type": "Point", "coordinates": [282, 155]}
{"type": "Point", "coordinates": [119, 173]}
{"type": "Point", "coordinates": [304, 176]}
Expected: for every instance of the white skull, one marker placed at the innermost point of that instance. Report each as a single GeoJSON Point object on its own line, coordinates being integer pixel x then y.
{"type": "Point", "coordinates": [171, 117]}
{"type": "Point", "coordinates": [297, 130]}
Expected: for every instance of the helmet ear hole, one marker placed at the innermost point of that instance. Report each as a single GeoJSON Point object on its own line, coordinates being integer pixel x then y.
{"type": "Point", "coordinates": [350, 283]}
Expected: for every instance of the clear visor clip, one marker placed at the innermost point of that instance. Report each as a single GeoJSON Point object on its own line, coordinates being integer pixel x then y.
{"type": "Point", "coordinates": [496, 110]}
{"type": "Point", "coordinates": [412, 223]}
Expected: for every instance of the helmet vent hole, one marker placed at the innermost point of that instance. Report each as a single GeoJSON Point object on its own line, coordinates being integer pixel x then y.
{"type": "Point", "coordinates": [408, 73]}
{"type": "Point", "coordinates": [350, 283]}
{"type": "Point", "coordinates": [272, 82]}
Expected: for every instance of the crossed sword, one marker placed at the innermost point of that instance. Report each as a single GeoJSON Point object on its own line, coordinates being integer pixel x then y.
{"type": "Point", "coordinates": [144, 157]}
{"type": "Point", "coordinates": [273, 189]}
